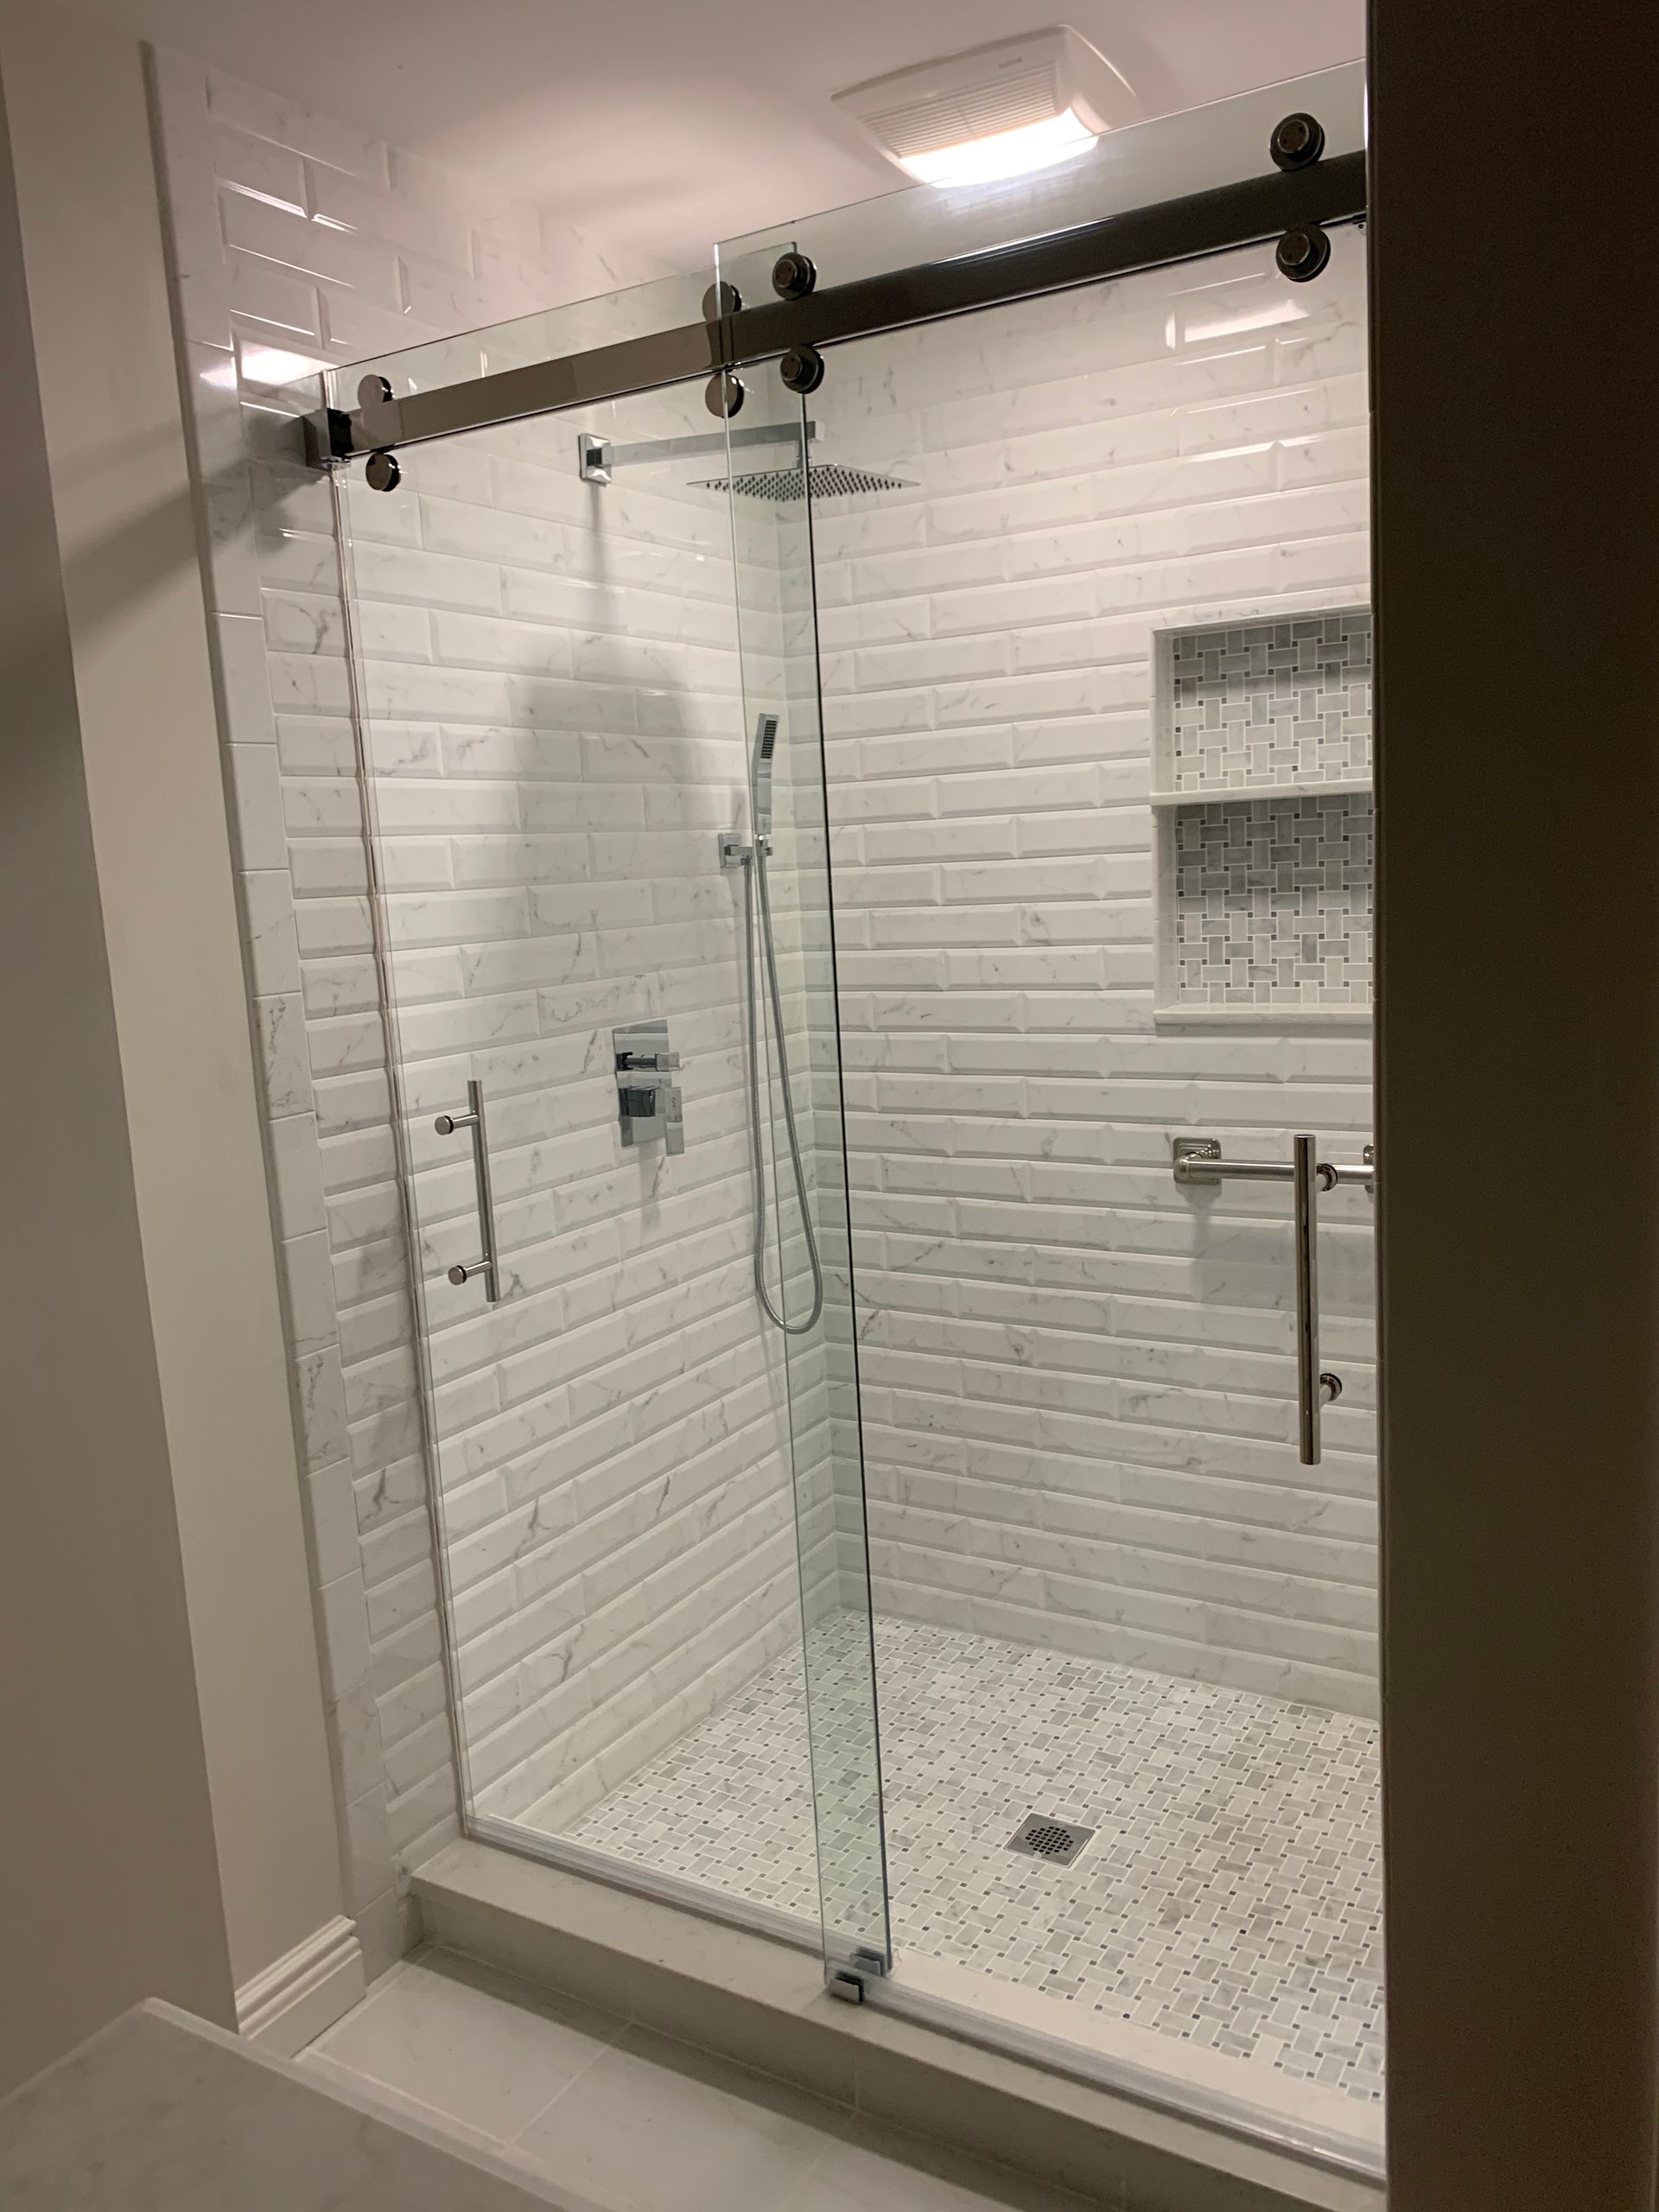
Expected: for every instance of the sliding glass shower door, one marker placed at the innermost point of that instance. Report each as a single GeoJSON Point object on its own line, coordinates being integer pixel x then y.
{"type": "Point", "coordinates": [1091, 593]}
{"type": "Point", "coordinates": [610, 1015]}
{"type": "Point", "coordinates": [873, 877]}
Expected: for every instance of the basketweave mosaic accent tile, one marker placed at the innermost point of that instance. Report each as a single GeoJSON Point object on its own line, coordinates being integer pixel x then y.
{"type": "Point", "coordinates": [1231, 1895]}
{"type": "Point", "coordinates": [1285, 701]}
{"type": "Point", "coordinates": [1273, 901]}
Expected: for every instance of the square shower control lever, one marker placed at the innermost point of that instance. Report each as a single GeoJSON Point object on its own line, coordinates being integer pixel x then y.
{"type": "Point", "coordinates": [649, 1100]}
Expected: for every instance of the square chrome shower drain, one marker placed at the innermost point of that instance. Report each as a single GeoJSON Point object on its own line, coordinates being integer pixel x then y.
{"type": "Point", "coordinates": [1058, 1841]}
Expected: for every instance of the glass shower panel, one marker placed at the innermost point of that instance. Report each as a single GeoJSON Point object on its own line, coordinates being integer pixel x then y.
{"type": "Point", "coordinates": [633, 1467]}
{"type": "Point", "coordinates": [1092, 602]}
{"type": "Point", "coordinates": [788, 885]}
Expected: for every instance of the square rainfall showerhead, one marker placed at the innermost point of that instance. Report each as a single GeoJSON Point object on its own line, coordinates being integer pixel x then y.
{"type": "Point", "coordinates": [1039, 1836]}
{"type": "Point", "coordinates": [827, 480]}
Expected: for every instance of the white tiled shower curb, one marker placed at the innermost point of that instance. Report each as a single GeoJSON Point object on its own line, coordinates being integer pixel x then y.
{"type": "Point", "coordinates": [763, 2003]}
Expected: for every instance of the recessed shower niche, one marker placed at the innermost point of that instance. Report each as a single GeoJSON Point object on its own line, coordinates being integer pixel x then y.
{"type": "Point", "coordinates": [1263, 846]}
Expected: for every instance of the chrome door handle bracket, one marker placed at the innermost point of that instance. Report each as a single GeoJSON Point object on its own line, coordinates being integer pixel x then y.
{"type": "Point", "coordinates": [1198, 1161]}
{"type": "Point", "coordinates": [472, 1120]}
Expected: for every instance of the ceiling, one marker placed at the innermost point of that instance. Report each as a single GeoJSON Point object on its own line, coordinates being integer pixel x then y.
{"type": "Point", "coordinates": [659, 125]}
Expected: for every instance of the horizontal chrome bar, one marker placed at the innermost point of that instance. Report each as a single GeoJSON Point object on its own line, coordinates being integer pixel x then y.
{"type": "Point", "coordinates": [1187, 229]}
{"type": "Point", "coordinates": [1198, 1160]}
{"type": "Point", "coordinates": [601, 454]}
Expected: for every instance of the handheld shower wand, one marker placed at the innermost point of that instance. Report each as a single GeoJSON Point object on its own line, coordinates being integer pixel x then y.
{"type": "Point", "coordinates": [765, 740]}
{"type": "Point", "coordinates": [752, 858]}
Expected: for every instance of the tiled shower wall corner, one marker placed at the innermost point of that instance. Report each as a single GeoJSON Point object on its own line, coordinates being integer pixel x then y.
{"type": "Point", "coordinates": [1078, 1378]}
{"type": "Point", "coordinates": [295, 238]}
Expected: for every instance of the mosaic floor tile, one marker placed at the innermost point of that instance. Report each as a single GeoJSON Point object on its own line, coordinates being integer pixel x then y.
{"type": "Point", "coordinates": [1231, 1895]}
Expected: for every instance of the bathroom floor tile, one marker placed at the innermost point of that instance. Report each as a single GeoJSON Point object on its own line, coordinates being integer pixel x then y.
{"type": "Point", "coordinates": [656, 2126]}
{"type": "Point", "coordinates": [877, 2168]}
{"type": "Point", "coordinates": [1231, 1895]}
{"type": "Point", "coordinates": [470, 2044]}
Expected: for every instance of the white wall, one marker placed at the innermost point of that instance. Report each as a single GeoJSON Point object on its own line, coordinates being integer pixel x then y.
{"type": "Point", "coordinates": [106, 1788]}
{"type": "Point", "coordinates": [115, 439]}
{"type": "Point", "coordinates": [1078, 1378]}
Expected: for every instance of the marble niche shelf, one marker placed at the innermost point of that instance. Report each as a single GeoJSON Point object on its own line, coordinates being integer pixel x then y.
{"type": "Point", "coordinates": [1262, 823]}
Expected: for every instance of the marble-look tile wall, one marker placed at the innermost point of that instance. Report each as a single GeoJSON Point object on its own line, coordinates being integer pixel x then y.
{"type": "Point", "coordinates": [297, 241]}
{"type": "Point", "coordinates": [552, 698]}
{"type": "Point", "coordinates": [1077, 1378]}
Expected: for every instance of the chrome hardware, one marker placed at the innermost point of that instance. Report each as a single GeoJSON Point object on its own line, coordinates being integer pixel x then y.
{"type": "Point", "coordinates": [1297, 142]}
{"type": "Point", "coordinates": [733, 852]}
{"type": "Point", "coordinates": [1314, 1391]}
{"type": "Point", "coordinates": [598, 459]}
{"type": "Point", "coordinates": [724, 393]}
{"type": "Point", "coordinates": [793, 275]}
{"type": "Point", "coordinates": [1199, 1160]}
{"type": "Point", "coordinates": [802, 368]}
{"type": "Point", "coordinates": [650, 1103]}
{"type": "Point", "coordinates": [472, 1119]}
{"type": "Point", "coordinates": [383, 472]}
{"type": "Point", "coordinates": [1302, 254]}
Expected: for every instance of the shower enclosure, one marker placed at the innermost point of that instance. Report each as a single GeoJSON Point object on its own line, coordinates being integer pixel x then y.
{"type": "Point", "coordinates": [868, 778]}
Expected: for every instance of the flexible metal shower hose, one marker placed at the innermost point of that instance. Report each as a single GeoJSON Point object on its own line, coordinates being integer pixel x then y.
{"type": "Point", "coordinates": [754, 875]}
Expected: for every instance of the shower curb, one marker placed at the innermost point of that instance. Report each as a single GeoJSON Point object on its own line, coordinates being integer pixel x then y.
{"type": "Point", "coordinates": [762, 2002]}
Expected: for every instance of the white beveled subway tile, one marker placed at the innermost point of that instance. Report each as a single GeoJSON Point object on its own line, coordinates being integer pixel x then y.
{"type": "Point", "coordinates": [411, 805]}
{"type": "Point", "coordinates": [314, 250]}
{"type": "Point", "coordinates": [1298, 411]}
{"type": "Point", "coordinates": [320, 806]}
{"type": "Point", "coordinates": [379, 1385]}
{"type": "Point", "coordinates": [489, 641]}
{"type": "Point", "coordinates": [307, 1277]}
{"type": "Point", "coordinates": [1335, 456]}
{"type": "Point", "coordinates": [449, 918]}
{"type": "Point", "coordinates": [906, 844]}
{"type": "Point", "coordinates": [268, 923]}
{"type": "Point", "coordinates": [419, 978]}
{"type": "Point", "coordinates": [267, 115]}
{"type": "Point", "coordinates": [280, 1023]}
{"type": "Point", "coordinates": [373, 1325]}
{"type": "Point", "coordinates": [572, 806]}
{"type": "Point", "coordinates": [1005, 510]}
{"type": "Point", "coordinates": [526, 964]}
{"type": "Point", "coordinates": [405, 692]}
{"type": "Point", "coordinates": [404, 1597]}
{"type": "Point", "coordinates": [305, 683]}
{"type": "Point", "coordinates": [487, 535]}
{"type": "Point", "coordinates": [399, 749]}
{"type": "Point", "coordinates": [514, 751]}
{"type": "Point", "coordinates": [373, 212]}
{"type": "Point", "coordinates": [272, 309]}
{"type": "Point", "coordinates": [339, 1045]}
{"type": "Point", "coordinates": [312, 744]}
{"type": "Point", "coordinates": [320, 1391]}
{"type": "Point", "coordinates": [258, 166]}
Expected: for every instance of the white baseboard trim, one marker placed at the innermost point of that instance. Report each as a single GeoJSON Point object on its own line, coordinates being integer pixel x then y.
{"type": "Point", "coordinates": [291, 2002]}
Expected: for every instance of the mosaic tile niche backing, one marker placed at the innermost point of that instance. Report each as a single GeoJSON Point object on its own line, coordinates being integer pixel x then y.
{"type": "Point", "coordinates": [1285, 701]}
{"type": "Point", "coordinates": [1273, 901]}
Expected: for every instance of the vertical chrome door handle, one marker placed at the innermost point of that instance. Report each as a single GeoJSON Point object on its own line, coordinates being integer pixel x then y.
{"type": "Point", "coordinates": [1315, 1391]}
{"type": "Point", "coordinates": [472, 1120]}
{"type": "Point", "coordinates": [1199, 1160]}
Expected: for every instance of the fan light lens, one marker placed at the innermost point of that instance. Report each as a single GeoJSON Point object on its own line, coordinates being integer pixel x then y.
{"type": "Point", "coordinates": [1005, 153]}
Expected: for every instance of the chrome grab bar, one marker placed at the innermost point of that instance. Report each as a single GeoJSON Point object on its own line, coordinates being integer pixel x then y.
{"type": "Point", "coordinates": [1199, 1160]}
{"type": "Point", "coordinates": [472, 1119]}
